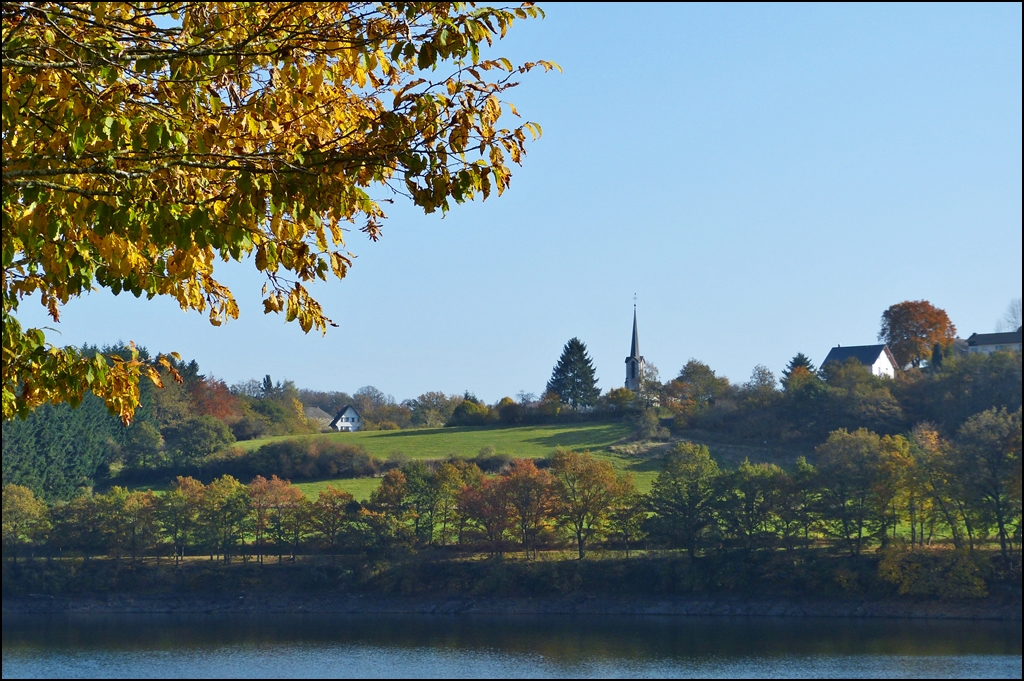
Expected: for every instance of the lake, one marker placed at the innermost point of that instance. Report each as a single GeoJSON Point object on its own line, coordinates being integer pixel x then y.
{"type": "Point", "coordinates": [180, 646]}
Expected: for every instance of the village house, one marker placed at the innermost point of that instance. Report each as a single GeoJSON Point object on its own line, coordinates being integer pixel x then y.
{"type": "Point", "coordinates": [987, 343]}
{"type": "Point", "coordinates": [347, 420]}
{"type": "Point", "coordinates": [877, 358]}
{"type": "Point", "coordinates": [317, 417]}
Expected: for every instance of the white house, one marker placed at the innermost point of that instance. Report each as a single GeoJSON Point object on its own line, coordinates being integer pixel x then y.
{"type": "Point", "coordinates": [987, 343]}
{"type": "Point", "coordinates": [346, 420]}
{"type": "Point", "coordinates": [877, 358]}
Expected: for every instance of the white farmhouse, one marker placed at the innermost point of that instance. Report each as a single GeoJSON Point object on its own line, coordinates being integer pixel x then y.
{"type": "Point", "coordinates": [347, 420]}
{"type": "Point", "coordinates": [987, 343]}
{"type": "Point", "coordinates": [877, 358]}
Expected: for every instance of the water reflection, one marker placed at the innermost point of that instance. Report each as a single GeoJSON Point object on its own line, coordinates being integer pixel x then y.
{"type": "Point", "coordinates": [475, 645]}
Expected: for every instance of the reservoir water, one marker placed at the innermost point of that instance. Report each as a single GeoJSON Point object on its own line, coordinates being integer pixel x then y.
{"type": "Point", "coordinates": [440, 646]}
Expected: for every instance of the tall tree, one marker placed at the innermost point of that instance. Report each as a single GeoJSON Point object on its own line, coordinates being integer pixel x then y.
{"type": "Point", "coordinates": [585, 492]}
{"type": "Point", "coordinates": [143, 142]}
{"type": "Point", "coordinates": [988, 461]}
{"type": "Point", "coordinates": [573, 378]}
{"type": "Point", "coordinates": [849, 469]}
{"type": "Point", "coordinates": [528, 491]}
{"type": "Point", "coordinates": [800, 361]}
{"type": "Point", "coordinates": [683, 496]}
{"type": "Point", "coordinates": [912, 328]}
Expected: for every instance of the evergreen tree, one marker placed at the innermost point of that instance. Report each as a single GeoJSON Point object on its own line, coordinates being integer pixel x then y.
{"type": "Point", "coordinates": [801, 360]}
{"type": "Point", "coordinates": [573, 378]}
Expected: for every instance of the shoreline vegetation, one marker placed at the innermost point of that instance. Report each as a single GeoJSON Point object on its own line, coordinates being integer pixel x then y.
{"type": "Point", "coordinates": [804, 583]}
{"type": "Point", "coordinates": [1003, 609]}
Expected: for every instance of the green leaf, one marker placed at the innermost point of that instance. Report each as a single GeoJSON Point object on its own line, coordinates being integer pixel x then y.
{"type": "Point", "coordinates": [78, 140]}
{"type": "Point", "coordinates": [153, 134]}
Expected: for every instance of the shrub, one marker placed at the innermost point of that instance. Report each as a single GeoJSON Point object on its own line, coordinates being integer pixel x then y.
{"type": "Point", "coordinates": [948, 575]}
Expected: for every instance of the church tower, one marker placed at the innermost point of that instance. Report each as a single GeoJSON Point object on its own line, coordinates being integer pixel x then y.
{"type": "Point", "coordinates": [634, 363]}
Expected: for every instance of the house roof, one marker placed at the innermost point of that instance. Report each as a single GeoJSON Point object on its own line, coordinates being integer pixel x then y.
{"type": "Point", "coordinates": [1007, 338]}
{"type": "Point", "coordinates": [348, 408]}
{"type": "Point", "coordinates": [865, 354]}
{"type": "Point", "coordinates": [316, 413]}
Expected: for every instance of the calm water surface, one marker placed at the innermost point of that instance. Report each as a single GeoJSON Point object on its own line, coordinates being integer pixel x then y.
{"type": "Point", "coordinates": [441, 646]}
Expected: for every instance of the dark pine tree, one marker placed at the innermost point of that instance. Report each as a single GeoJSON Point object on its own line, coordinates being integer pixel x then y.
{"type": "Point", "coordinates": [801, 360]}
{"type": "Point", "coordinates": [573, 378]}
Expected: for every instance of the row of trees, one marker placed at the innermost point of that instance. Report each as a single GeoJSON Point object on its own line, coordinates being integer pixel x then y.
{"type": "Point", "coordinates": [864, 488]}
{"type": "Point", "coordinates": [809, 403]}
{"type": "Point", "coordinates": [58, 450]}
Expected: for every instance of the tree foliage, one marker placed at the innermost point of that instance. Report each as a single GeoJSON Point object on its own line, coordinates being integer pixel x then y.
{"type": "Point", "coordinates": [143, 142]}
{"type": "Point", "coordinates": [912, 328]}
{"type": "Point", "coordinates": [573, 379]}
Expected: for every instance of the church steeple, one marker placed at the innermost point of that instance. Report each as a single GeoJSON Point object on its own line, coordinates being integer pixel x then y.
{"type": "Point", "coordinates": [634, 350]}
{"type": "Point", "coordinates": [635, 362]}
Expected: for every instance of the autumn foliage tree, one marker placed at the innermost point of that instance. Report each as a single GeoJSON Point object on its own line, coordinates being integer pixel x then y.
{"type": "Point", "coordinates": [912, 328]}
{"type": "Point", "coordinates": [143, 142]}
{"type": "Point", "coordinates": [586, 491]}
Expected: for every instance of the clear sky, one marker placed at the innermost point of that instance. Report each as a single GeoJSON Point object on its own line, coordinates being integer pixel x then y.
{"type": "Point", "coordinates": [766, 179]}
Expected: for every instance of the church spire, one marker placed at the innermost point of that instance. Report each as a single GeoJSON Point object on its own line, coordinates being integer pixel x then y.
{"type": "Point", "coordinates": [634, 363]}
{"type": "Point", "coordinates": [634, 350]}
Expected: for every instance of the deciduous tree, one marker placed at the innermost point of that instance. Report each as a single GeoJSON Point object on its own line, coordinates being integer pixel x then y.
{"type": "Point", "coordinates": [24, 517]}
{"type": "Point", "coordinates": [177, 512]}
{"type": "Point", "coordinates": [528, 490]}
{"type": "Point", "coordinates": [912, 328]}
{"type": "Point", "coordinates": [683, 496]}
{"type": "Point", "coordinates": [144, 142]}
{"type": "Point", "coordinates": [988, 456]}
{"type": "Point", "coordinates": [585, 492]}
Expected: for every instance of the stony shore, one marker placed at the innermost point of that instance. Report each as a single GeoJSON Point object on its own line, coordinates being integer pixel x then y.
{"type": "Point", "coordinates": [257, 603]}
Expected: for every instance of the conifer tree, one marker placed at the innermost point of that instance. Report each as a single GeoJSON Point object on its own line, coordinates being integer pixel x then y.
{"type": "Point", "coordinates": [573, 378]}
{"type": "Point", "coordinates": [801, 360]}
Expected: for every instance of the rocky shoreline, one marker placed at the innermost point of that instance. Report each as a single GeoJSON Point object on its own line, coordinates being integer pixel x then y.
{"type": "Point", "coordinates": [259, 603]}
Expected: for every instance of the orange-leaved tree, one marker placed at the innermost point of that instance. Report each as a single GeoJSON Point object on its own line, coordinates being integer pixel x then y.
{"type": "Point", "coordinates": [143, 142]}
{"type": "Point", "coordinates": [912, 328]}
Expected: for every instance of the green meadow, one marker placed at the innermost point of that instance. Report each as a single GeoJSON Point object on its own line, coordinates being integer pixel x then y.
{"type": "Point", "coordinates": [521, 442]}
{"type": "Point", "coordinates": [608, 441]}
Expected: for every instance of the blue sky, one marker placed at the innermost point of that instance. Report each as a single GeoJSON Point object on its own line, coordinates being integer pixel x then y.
{"type": "Point", "coordinates": [766, 180]}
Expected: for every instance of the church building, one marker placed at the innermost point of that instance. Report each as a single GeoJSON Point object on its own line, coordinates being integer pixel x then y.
{"type": "Point", "coordinates": [634, 363]}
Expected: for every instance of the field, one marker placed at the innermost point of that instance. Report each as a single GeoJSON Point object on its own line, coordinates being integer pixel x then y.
{"type": "Point", "coordinates": [608, 441]}
{"type": "Point", "coordinates": [526, 442]}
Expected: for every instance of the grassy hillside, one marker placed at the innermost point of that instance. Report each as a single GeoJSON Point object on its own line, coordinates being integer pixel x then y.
{"type": "Point", "coordinates": [609, 441]}
{"type": "Point", "coordinates": [527, 442]}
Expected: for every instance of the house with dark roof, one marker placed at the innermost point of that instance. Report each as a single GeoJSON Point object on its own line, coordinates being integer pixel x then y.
{"type": "Point", "coordinates": [877, 358]}
{"type": "Point", "coordinates": [987, 343]}
{"type": "Point", "coordinates": [347, 420]}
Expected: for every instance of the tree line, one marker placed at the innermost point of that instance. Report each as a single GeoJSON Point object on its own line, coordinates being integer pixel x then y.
{"type": "Point", "coordinates": [865, 489]}
{"type": "Point", "coordinates": [187, 427]}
